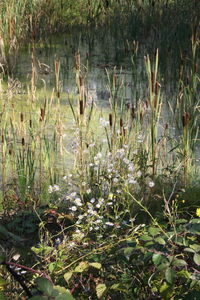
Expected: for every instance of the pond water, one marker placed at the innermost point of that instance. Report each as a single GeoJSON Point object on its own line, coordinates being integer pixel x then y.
{"type": "Point", "coordinates": [103, 53]}
{"type": "Point", "coordinates": [100, 53]}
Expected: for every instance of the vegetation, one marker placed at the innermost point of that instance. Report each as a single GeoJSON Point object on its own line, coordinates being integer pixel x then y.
{"type": "Point", "coordinates": [109, 195]}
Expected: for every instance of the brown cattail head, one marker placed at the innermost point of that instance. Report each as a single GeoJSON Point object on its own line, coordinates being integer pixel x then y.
{"type": "Point", "coordinates": [121, 122]}
{"type": "Point", "coordinates": [58, 94]}
{"type": "Point", "coordinates": [133, 112]}
{"type": "Point", "coordinates": [22, 117]}
{"type": "Point", "coordinates": [110, 120]}
{"type": "Point", "coordinates": [10, 151]}
{"type": "Point", "coordinates": [23, 141]}
{"type": "Point", "coordinates": [81, 81]}
{"type": "Point", "coordinates": [166, 126]}
{"type": "Point", "coordinates": [81, 107]}
{"type": "Point", "coordinates": [57, 66]}
{"type": "Point", "coordinates": [128, 105]}
{"type": "Point", "coordinates": [42, 114]}
{"type": "Point", "coordinates": [30, 123]}
{"type": "Point", "coordinates": [185, 119]}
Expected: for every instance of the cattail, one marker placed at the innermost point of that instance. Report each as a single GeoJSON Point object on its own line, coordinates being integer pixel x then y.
{"type": "Point", "coordinates": [81, 81]}
{"type": "Point", "coordinates": [30, 123]}
{"type": "Point", "coordinates": [133, 112]}
{"type": "Point", "coordinates": [10, 151]}
{"type": "Point", "coordinates": [81, 107]}
{"type": "Point", "coordinates": [141, 116]}
{"type": "Point", "coordinates": [58, 94]}
{"type": "Point", "coordinates": [2, 138]}
{"type": "Point", "coordinates": [185, 119]}
{"type": "Point", "coordinates": [121, 122]}
{"type": "Point", "coordinates": [128, 106]}
{"type": "Point", "coordinates": [57, 66]}
{"type": "Point", "coordinates": [166, 126]}
{"type": "Point", "coordinates": [110, 120]}
{"type": "Point", "coordinates": [22, 117]}
{"type": "Point", "coordinates": [42, 114]}
{"type": "Point", "coordinates": [23, 142]}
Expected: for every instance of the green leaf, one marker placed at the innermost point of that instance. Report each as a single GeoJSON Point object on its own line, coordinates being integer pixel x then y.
{"type": "Point", "coordinates": [146, 238]}
{"type": "Point", "coordinates": [189, 250]}
{"type": "Point", "coordinates": [195, 221]}
{"type": "Point", "coordinates": [51, 267]}
{"type": "Point", "coordinates": [193, 228]}
{"type": "Point", "coordinates": [166, 291]}
{"type": "Point", "coordinates": [68, 275]}
{"type": "Point", "coordinates": [160, 240]}
{"type": "Point", "coordinates": [169, 275]}
{"type": "Point", "coordinates": [128, 251]}
{"type": "Point", "coordinates": [2, 282]}
{"type": "Point", "coordinates": [96, 265]}
{"type": "Point", "coordinates": [64, 294]}
{"type": "Point", "coordinates": [100, 290]}
{"type": "Point", "coordinates": [115, 286]}
{"type": "Point", "coordinates": [157, 259]}
{"type": "Point", "coordinates": [197, 259]}
{"type": "Point", "coordinates": [83, 266]}
{"type": "Point", "coordinates": [179, 263]}
{"type": "Point", "coordinates": [181, 221]}
{"type": "Point", "coordinates": [153, 231]}
{"type": "Point", "coordinates": [44, 285]}
{"type": "Point", "coordinates": [196, 247]}
{"type": "Point", "coordinates": [163, 266]}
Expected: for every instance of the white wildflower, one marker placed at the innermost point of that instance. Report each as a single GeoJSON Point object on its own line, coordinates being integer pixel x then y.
{"type": "Point", "coordinates": [109, 224]}
{"type": "Point", "coordinates": [74, 208]}
{"type": "Point", "coordinates": [151, 184]}
{"type": "Point", "coordinates": [78, 202]}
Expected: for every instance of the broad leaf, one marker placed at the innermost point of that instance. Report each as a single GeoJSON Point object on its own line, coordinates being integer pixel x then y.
{"type": "Point", "coordinates": [197, 259]}
{"type": "Point", "coordinates": [157, 259]}
{"type": "Point", "coordinates": [169, 275]}
{"type": "Point", "coordinates": [179, 263]}
{"type": "Point", "coordinates": [44, 285]}
{"type": "Point", "coordinates": [100, 290]}
{"type": "Point", "coordinates": [153, 231]}
{"type": "Point", "coordinates": [160, 240]}
{"type": "Point", "coordinates": [83, 266]}
{"type": "Point", "coordinates": [68, 275]}
{"type": "Point", "coordinates": [96, 265]}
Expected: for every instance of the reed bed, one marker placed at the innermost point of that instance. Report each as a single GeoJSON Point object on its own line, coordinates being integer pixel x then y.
{"type": "Point", "coordinates": [109, 195]}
